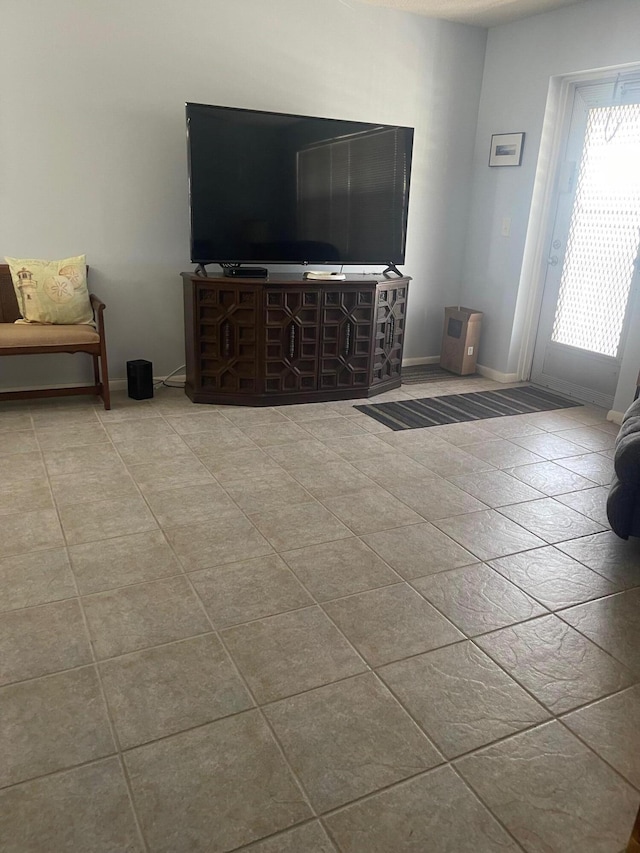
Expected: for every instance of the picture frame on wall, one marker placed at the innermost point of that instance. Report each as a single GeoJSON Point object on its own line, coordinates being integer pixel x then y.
{"type": "Point", "coordinates": [506, 149]}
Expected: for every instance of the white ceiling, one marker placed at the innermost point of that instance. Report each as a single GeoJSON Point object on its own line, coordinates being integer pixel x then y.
{"type": "Point", "coordinates": [480, 13]}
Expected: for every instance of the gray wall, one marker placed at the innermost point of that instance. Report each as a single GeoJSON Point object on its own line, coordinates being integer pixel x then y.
{"type": "Point", "coordinates": [93, 141]}
{"type": "Point", "coordinates": [520, 60]}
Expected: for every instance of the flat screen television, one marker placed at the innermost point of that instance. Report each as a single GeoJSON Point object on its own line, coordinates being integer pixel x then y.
{"type": "Point", "coordinates": [273, 187]}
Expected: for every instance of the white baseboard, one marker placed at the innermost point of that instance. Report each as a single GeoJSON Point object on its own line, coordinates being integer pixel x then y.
{"type": "Point", "coordinates": [496, 375]}
{"type": "Point", "coordinates": [615, 417]}
{"type": "Point", "coordinates": [414, 362]}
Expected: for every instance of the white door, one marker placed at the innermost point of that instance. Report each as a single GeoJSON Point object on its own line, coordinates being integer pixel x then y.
{"type": "Point", "coordinates": [594, 249]}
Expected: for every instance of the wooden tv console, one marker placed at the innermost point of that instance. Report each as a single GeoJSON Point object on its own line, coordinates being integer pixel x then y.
{"type": "Point", "coordinates": [284, 339]}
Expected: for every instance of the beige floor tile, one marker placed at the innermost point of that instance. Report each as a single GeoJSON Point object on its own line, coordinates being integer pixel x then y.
{"type": "Point", "coordinates": [369, 424]}
{"type": "Point", "coordinates": [121, 561]}
{"type": "Point", "coordinates": [24, 496]}
{"type": "Point", "coordinates": [148, 614]}
{"type": "Point", "coordinates": [397, 820]}
{"type": "Point", "coordinates": [552, 577]}
{"type": "Point", "coordinates": [244, 416]}
{"type": "Point", "coordinates": [605, 553]}
{"type": "Point", "coordinates": [90, 458]}
{"type": "Point", "coordinates": [477, 599]}
{"type": "Point", "coordinates": [170, 474]}
{"type": "Point", "coordinates": [216, 542]}
{"type": "Point", "coordinates": [27, 580]}
{"type": "Point", "coordinates": [67, 416]}
{"type": "Point", "coordinates": [557, 664]}
{"type": "Point", "coordinates": [42, 640]}
{"type": "Point", "coordinates": [418, 550]}
{"type": "Point", "coordinates": [218, 440]}
{"type": "Point", "coordinates": [547, 788]}
{"type": "Point", "coordinates": [549, 445]}
{"type": "Point", "coordinates": [512, 426]}
{"type": "Point", "coordinates": [125, 409]}
{"type": "Point", "coordinates": [331, 479]}
{"type": "Point", "coordinates": [80, 487]}
{"type": "Point", "coordinates": [551, 478]}
{"type": "Point", "coordinates": [353, 448]}
{"type": "Point", "coordinates": [329, 428]}
{"type": "Point", "coordinates": [301, 412]}
{"type": "Point", "coordinates": [551, 520]}
{"type": "Point", "coordinates": [371, 510]}
{"type": "Point", "coordinates": [611, 727]}
{"type": "Point", "coordinates": [391, 623]}
{"type": "Point", "coordinates": [295, 527]}
{"type": "Point", "coordinates": [593, 466]}
{"type": "Point", "coordinates": [147, 428]}
{"type": "Point", "coordinates": [86, 809]}
{"type": "Point", "coordinates": [553, 420]}
{"type": "Point", "coordinates": [201, 421]}
{"type": "Point", "coordinates": [97, 520]}
{"type": "Point", "coordinates": [310, 838]}
{"type": "Point", "coordinates": [191, 504]}
{"type": "Point", "coordinates": [14, 419]}
{"type": "Point", "coordinates": [138, 451]}
{"type": "Point", "coordinates": [394, 470]}
{"type": "Point", "coordinates": [496, 488]}
{"type": "Point", "coordinates": [20, 441]}
{"type": "Point", "coordinates": [591, 438]}
{"type": "Point", "coordinates": [16, 467]}
{"type": "Point", "coordinates": [233, 778]}
{"type": "Point", "coordinates": [51, 724]}
{"type": "Point", "coordinates": [236, 465]}
{"type": "Point", "coordinates": [274, 491]}
{"type": "Point", "coordinates": [502, 453]}
{"type": "Point", "coordinates": [81, 434]}
{"type": "Point", "coordinates": [463, 433]}
{"type": "Point", "coordinates": [266, 435]}
{"type": "Point", "coordinates": [425, 439]}
{"type": "Point", "coordinates": [587, 415]}
{"type": "Point", "coordinates": [30, 531]}
{"type": "Point", "coordinates": [489, 534]}
{"type": "Point", "coordinates": [613, 623]}
{"type": "Point", "coordinates": [449, 461]}
{"type": "Point", "coordinates": [165, 690]}
{"type": "Point", "coordinates": [435, 499]}
{"type": "Point", "coordinates": [290, 653]}
{"type": "Point", "coordinates": [348, 739]}
{"type": "Point", "coordinates": [252, 589]}
{"type": "Point", "coordinates": [589, 502]}
{"type": "Point", "coordinates": [172, 678]}
{"type": "Point", "coordinates": [302, 454]}
{"type": "Point", "coordinates": [461, 698]}
{"type": "Point", "coordinates": [335, 569]}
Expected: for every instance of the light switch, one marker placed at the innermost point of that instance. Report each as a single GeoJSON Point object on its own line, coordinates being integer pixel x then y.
{"type": "Point", "coordinates": [506, 226]}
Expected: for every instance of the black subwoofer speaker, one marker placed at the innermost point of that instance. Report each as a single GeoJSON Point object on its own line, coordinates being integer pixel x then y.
{"type": "Point", "coordinates": [140, 379]}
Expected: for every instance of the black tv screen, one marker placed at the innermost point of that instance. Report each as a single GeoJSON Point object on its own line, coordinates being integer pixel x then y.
{"type": "Point", "coordinates": [296, 189]}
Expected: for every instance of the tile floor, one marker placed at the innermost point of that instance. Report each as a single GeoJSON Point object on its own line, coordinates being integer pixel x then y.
{"type": "Point", "coordinates": [291, 630]}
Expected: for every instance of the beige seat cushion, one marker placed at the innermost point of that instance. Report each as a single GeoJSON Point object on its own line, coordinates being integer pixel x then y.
{"type": "Point", "coordinates": [18, 335]}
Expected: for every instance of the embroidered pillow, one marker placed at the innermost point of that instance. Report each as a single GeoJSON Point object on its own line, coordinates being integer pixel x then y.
{"type": "Point", "coordinates": [52, 291]}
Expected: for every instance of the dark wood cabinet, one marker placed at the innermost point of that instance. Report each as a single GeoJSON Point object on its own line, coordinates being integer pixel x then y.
{"type": "Point", "coordinates": [285, 339]}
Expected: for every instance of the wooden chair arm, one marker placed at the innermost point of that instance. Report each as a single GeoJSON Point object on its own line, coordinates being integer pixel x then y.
{"type": "Point", "coordinates": [98, 307]}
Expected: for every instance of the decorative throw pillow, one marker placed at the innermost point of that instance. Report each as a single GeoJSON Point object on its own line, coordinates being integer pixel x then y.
{"type": "Point", "coordinates": [52, 291]}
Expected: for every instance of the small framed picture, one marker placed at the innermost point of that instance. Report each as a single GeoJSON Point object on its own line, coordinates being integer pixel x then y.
{"type": "Point", "coordinates": [506, 149]}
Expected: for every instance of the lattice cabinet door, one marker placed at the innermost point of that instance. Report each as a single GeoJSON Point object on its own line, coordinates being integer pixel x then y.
{"type": "Point", "coordinates": [391, 300]}
{"type": "Point", "coordinates": [227, 320]}
{"type": "Point", "coordinates": [345, 351]}
{"type": "Point", "coordinates": [291, 339]}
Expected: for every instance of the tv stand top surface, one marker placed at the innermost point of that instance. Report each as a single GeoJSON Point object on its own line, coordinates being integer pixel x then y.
{"type": "Point", "coordinates": [281, 278]}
